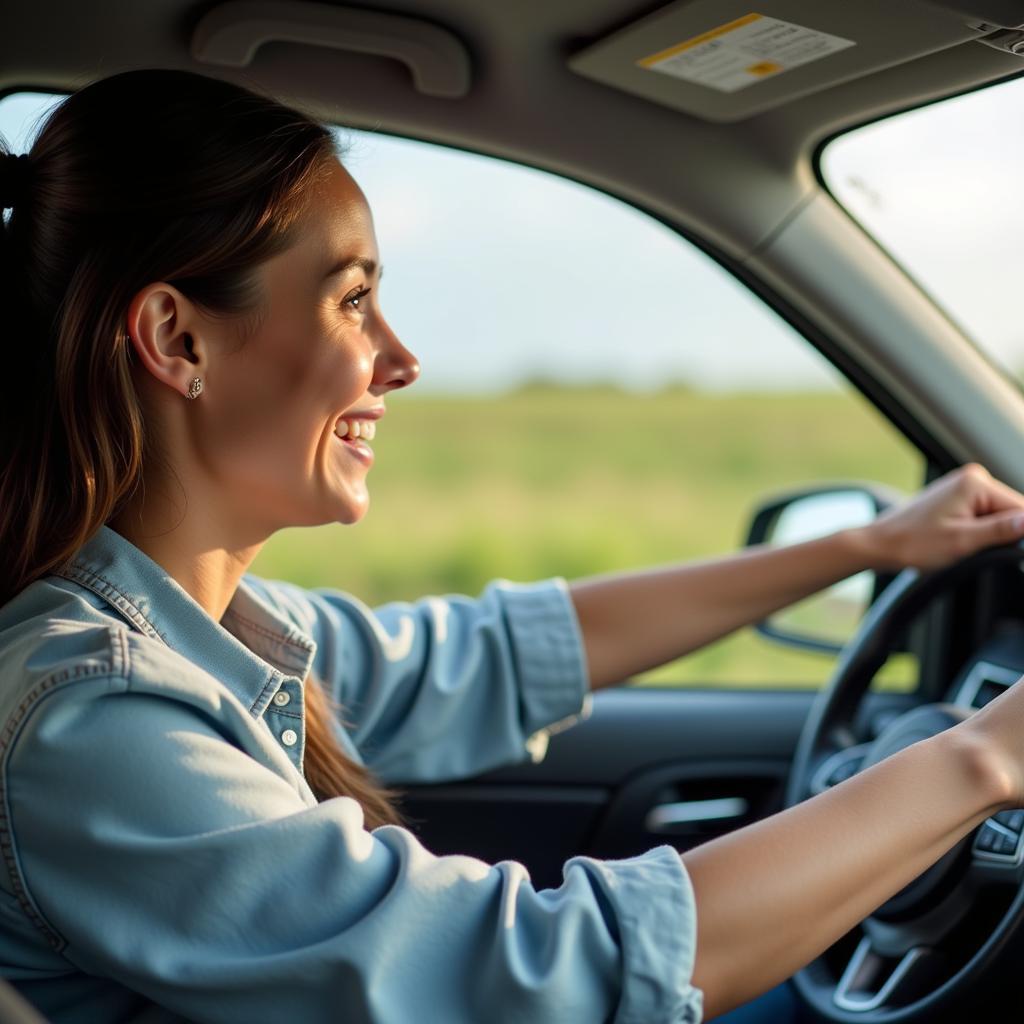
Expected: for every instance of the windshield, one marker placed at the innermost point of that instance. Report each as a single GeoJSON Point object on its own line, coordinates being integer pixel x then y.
{"type": "Point", "coordinates": [940, 189]}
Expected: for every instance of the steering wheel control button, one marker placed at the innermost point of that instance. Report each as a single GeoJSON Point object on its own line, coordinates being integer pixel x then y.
{"type": "Point", "coordinates": [1006, 845]}
{"type": "Point", "coordinates": [986, 841]}
{"type": "Point", "coordinates": [281, 698]}
{"type": "Point", "coordinates": [1013, 820]}
{"type": "Point", "coordinates": [289, 737]}
{"type": "Point", "coordinates": [996, 842]}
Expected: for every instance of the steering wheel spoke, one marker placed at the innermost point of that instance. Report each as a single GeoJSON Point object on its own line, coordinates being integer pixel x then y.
{"type": "Point", "coordinates": [873, 980]}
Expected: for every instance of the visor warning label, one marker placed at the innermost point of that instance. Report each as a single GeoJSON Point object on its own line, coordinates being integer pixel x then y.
{"type": "Point", "coordinates": [744, 52]}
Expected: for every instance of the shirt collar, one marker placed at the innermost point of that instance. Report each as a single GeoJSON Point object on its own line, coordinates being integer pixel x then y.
{"type": "Point", "coordinates": [261, 647]}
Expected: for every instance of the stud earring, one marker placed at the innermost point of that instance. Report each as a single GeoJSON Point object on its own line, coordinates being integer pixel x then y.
{"type": "Point", "coordinates": [195, 388]}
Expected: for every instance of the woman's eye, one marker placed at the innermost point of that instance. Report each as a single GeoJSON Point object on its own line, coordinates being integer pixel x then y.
{"type": "Point", "coordinates": [354, 301]}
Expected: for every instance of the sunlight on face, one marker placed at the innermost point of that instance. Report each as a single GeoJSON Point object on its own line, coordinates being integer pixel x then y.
{"type": "Point", "coordinates": [299, 401]}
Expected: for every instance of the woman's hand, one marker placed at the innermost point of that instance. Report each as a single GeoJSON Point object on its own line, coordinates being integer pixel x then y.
{"type": "Point", "coordinates": [960, 513]}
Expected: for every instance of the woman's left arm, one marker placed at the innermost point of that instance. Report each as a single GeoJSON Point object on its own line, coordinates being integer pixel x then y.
{"type": "Point", "coordinates": [634, 621]}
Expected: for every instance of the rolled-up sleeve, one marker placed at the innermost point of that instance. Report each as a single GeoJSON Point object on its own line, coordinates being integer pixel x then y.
{"type": "Point", "coordinates": [445, 687]}
{"type": "Point", "coordinates": [168, 859]}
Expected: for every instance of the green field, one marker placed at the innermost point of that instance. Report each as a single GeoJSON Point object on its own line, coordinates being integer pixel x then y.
{"type": "Point", "coordinates": [559, 482]}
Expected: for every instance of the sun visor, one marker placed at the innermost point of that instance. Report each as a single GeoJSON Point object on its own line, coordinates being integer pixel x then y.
{"type": "Point", "coordinates": [724, 60]}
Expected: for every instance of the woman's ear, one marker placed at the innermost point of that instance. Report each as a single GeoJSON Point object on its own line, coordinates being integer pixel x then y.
{"type": "Point", "coordinates": [162, 326]}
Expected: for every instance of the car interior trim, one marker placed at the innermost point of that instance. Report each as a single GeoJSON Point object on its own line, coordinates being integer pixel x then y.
{"type": "Point", "coordinates": [231, 33]}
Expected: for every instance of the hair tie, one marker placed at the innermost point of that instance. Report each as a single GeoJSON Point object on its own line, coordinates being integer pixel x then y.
{"type": "Point", "coordinates": [14, 178]}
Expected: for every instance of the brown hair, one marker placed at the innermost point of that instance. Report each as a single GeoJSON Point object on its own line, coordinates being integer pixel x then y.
{"type": "Point", "coordinates": [149, 175]}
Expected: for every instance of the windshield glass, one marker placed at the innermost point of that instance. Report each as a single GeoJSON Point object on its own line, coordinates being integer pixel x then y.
{"type": "Point", "coordinates": [940, 189]}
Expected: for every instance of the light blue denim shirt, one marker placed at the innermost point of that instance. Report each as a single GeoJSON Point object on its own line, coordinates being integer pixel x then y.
{"type": "Point", "coordinates": [165, 860]}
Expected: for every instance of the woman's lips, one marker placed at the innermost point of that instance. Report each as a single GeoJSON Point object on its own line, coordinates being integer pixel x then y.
{"type": "Point", "coordinates": [355, 428]}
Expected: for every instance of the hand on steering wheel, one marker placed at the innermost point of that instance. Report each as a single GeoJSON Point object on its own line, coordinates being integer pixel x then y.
{"type": "Point", "coordinates": [953, 517]}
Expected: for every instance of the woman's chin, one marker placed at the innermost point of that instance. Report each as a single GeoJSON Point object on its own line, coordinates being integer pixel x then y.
{"type": "Point", "coordinates": [339, 501]}
{"type": "Point", "coordinates": [353, 508]}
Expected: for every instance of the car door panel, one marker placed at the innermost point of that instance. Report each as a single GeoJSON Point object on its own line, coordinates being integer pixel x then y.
{"type": "Point", "coordinates": [648, 766]}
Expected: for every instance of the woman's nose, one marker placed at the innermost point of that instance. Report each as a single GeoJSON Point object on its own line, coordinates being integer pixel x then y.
{"type": "Point", "coordinates": [396, 367]}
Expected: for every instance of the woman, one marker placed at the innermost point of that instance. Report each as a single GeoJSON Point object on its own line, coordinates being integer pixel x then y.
{"type": "Point", "coordinates": [193, 821]}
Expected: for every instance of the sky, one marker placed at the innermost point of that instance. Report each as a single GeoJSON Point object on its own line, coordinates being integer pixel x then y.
{"type": "Point", "coordinates": [498, 274]}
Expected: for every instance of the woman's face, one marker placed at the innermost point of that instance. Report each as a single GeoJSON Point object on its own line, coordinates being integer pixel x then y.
{"type": "Point", "coordinates": [291, 413]}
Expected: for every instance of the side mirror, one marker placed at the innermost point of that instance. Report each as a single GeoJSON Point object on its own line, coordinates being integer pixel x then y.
{"type": "Point", "coordinates": [825, 621]}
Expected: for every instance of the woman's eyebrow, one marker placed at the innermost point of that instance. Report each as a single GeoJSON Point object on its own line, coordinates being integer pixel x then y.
{"type": "Point", "coordinates": [368, 266]}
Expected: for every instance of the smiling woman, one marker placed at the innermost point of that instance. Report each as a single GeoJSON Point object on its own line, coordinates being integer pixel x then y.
{"type": "Point", "coordinates": [192, 822]}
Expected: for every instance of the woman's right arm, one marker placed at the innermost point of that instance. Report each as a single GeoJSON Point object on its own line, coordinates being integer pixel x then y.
{"type": "Point", "coordinates": [774, 895]}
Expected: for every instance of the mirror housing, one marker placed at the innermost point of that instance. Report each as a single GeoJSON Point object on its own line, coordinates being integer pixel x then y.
{"type": "Point", "coordinates": [804, 514]}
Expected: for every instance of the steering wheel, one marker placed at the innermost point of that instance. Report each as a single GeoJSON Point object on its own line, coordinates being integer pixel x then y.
{"type": "Point", "coordinates": [907, 962]}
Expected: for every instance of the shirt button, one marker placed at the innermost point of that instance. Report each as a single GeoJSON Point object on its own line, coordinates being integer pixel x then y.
{"type": "Point", "coordinates": [289, 737]}
{"type": "Point", "coordinates": [281, 698]}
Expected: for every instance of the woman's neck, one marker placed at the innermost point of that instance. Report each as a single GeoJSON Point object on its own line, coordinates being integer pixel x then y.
{"type": "Point", "coordinates": [198, 552]}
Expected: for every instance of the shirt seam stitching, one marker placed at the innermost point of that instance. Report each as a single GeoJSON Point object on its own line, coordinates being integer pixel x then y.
{"type": "Point", "coordinates": [83, 574]}
{"type": "Point", "coordinates": [261, 704]}
{"type": "Point", "coordinates": [301, 644]}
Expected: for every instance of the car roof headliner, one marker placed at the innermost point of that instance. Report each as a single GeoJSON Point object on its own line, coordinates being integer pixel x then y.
{"type": "Point", "coordinates": [733, 185]}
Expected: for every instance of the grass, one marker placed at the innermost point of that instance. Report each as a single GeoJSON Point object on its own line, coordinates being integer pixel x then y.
{"type": "Point", "coordinates": [547, 482]}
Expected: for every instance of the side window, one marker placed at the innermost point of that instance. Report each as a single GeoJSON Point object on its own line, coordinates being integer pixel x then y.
{"type": "Point", "coordinates": [597, 394]}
